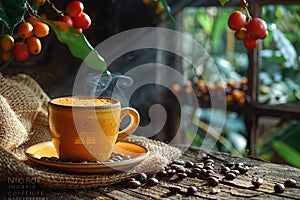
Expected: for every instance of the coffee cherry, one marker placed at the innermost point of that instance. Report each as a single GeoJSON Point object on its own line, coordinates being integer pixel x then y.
{"type": "Point", "coordinates": [37, 2]}
{"type": "Point", "coordinates": [159, 7]}
{"type": "Point", "coordinates": [67, 19]}
{"type": "Point", "coordinates": [250, 42]}
{"type": "Point", "coordinates": [74, 8]}
{"type": "Point", "coordinates": [82, 20]}
{"type": "Point", "coordinates": [4, 55]}
{"type": "Point", "coordinates": [20, 51]}
{"type": "Point", "coordinates": [264, 36]}
{"type": "Point", "coordinates": [41, 30]}
{"type": "Point", "coordinates": [147, 2]}
{"type": "Point", "coordinates": [236, 20]}
{"type": "Point", "coordinates": [6, 42]}
{"type": "Point", "coordinates": [240, 34]}
{"type": "Point", "coordinates": [25, 30]}
{"type": "Point", "coordinates": [256, 27]}
{"type": "Point", "coordinates": [34, 45]}
{"type": "Point", "coordinates": [33, 20]}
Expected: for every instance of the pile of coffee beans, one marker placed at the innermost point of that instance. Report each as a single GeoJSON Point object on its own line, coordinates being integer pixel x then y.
{"type": "Point", "coordinates": [115, 157]}
{"type": "Point", "coordinates": [206, 170]}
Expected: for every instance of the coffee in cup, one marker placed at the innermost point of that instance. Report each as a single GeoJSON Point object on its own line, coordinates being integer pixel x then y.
{"type": "Point", "coordinates": [87, 128]}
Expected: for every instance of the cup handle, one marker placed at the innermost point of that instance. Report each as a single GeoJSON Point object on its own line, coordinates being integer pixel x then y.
{"type": "Point", "coordinates": [134, 122]}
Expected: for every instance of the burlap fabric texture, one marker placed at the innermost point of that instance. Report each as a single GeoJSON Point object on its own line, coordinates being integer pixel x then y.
{"type": "Point", "coordinates": [23, 122]}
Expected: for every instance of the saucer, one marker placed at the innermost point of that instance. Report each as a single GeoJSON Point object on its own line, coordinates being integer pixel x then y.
{"type": "Point", "coordinates": [136, 152]}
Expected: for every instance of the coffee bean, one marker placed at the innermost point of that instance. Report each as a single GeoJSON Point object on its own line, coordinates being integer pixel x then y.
{"type": "Point", "coordinates": [180, 170]}
{"type": "Point", "coordinates": [290, 183]}
{"type": "Point", "coordinates": [257, 182]}
{"type": "Point", "coordinates": [142, 177]}
{"type": "Point", "coordinates": [229, 164]}
{"type": "Point", "coordinates": [192, 175]}
{"type": "Point", "coordinates": [198, 165]}
{"type": "Point", "coordinates": [174, 189]}
{"type": "Point", "coordinates": [242, 170]}
{"type": "Point", "coordinates": [237, 172]}
{"type": "Point", "coordinates": [191, 190]}
{"type": "Point", "coordinates": [181, 175]}
{"type": "Point", "coordinates": [129, 179]}
{"type": "Point", "coordinates": [195, 170]}
{"type": "Point", "coordinates": [240, 164]}
{"type": "Point", "coordinates": [188, 171]}
{"type": "Point", "coordinates": [206, 156]}
{"type": "Point", "coordinates": [213, 181]}
{"type": "Point", "coordinates": [279, 188]}
{"type": "Point", "coordinates": [189, 164]}
{"type": "Point", "coordinates": [171, 172]}
{"type": "Point", "coordinates": [230, 176]}
{"type": "Point", "coordinates": [133, 184]}
{"type": "Point", "coordinates": [203, 171]}
{"type": "Point", "coordinates": [162, 173]}
{"type": "Point", "coordinates": [152, 181]}
{"type": "Point", "coordinates": [208, 167]}
{"type": "Point", "coordinates": [209, 161]}
{"type": "Point", "coordinates": [175, 166]}
{"type": "Point", "coordinates": [178, 162]}
{"type": "Point", "coordinates": [224, 169]}
{"type": "Point", "coordinates": [210, 172]}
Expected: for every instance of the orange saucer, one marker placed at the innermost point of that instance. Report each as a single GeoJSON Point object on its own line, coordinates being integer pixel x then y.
{"type": "Point", "coordinates": [46, 149]}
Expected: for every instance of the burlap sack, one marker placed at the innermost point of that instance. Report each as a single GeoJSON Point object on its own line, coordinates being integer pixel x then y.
{"type": "Point", "coordinates": [23, 122]}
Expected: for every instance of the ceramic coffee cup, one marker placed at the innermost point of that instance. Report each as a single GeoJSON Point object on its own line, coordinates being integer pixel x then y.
{"type": "Point", "coordinates": [87, 128]}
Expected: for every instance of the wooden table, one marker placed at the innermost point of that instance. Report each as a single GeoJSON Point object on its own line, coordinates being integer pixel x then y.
{"type": "Point", "coordinates": [239, 188]}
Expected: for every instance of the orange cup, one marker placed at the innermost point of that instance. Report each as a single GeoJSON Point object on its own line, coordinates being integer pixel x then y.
{"type": "Point", "coordinates": [87, 128]}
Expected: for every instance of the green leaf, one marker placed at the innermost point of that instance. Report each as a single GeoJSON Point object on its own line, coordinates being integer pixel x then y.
{"type": "Point", "coordinates": [12, 12]}
{"type": "Point", "coordinates": [205, 21]}
{"type": "Point", "coordinates": [289, 154]}
{"type": "Point", "coordinates": [220, 26]}
{"type": "Point", "coordinates": [288, 133]}
{"type": "Point", "coordinates": [77, 44]}
{"type": "Point", "coordinates": [223, 2]}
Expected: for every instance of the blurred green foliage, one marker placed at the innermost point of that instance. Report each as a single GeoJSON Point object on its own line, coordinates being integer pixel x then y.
{"type": "Point", "coordinates": [279, 72]}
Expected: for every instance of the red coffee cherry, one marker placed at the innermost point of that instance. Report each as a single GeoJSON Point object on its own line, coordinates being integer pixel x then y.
{"type": "Point", "coordinates": [82, 21]}
{"type": "Point", "coordinates": [256, 27]}
{"type": "Point", "coordinates": [236, 20]}
{"type": "Point", "coordinates": [74, 8]}
{"type": "Point", "coordinates": [20, 51]}
{"type": "Point", "coordinates": [250, 42]}
{"type": "Point", "coordinates": [67, 19]}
